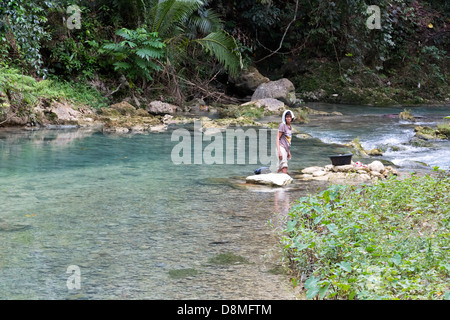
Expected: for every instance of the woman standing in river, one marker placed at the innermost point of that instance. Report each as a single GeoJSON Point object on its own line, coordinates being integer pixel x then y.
{"type": "Point", "coordinates": [284, 140]}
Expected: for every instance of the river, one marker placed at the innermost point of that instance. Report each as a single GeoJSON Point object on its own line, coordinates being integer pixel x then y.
{"type": "Point", "coordinates": [118, 210]}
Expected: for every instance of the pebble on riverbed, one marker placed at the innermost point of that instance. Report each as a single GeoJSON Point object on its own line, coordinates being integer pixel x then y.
{"type": "Point", "coordinates": [353, 173]}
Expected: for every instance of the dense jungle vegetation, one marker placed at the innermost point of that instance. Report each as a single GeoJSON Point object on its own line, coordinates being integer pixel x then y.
{"type": "Point", "coordinates": [176, 50]}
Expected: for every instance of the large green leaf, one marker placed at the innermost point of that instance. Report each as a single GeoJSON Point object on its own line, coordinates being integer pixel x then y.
{"type": "Point", "coordinates": [165, 14]}
{"type": "Point", "coordinates": [347, 266]}
{"type": "Point", "coordinates": [224, 48]}
{"type": "Point", "coordinates": [148, 54]}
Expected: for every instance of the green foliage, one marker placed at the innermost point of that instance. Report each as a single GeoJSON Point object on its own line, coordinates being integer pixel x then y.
{"type": "Point", "coordinates": [224, 48]}
{"type": "Point", "coordinates": [180, 22]}
{"type": "Point", "coordinates": [386, 241]}
{"type": "Point", "coordinates": [444, 129]}
{"type": "Point", "coordinates": [13, 82]}
{"type": "Point", "coordinates": [168, 17]}
{"type": "Point", "coordinates": [138, 54]}
{"type": "Point", "coordinates": [75, 53]}
{"type": "Point", "coordinates": [24, 21]}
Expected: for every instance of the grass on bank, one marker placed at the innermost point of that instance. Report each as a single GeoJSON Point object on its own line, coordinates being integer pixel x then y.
{"type": "Point", "coordinates": [386, 241]}
{"type": "Point", "coordinates": [30, 90]}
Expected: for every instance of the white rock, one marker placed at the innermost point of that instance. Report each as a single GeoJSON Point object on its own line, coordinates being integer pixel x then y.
{"type": "Point", "coordinates": [376, 166]}
{"type": "Point", "coordinates": [159, 107]}
{"type": "Point", "coordinates": [275, 179]}
{"type": "Point", "coordinates": [319, 173]}
{"type": "Point", "coordinates": [344, 168]}
{"type": "Point", "coordinates": [310, 170]}
{"type": "Point", "coordinates": [158, 128]}
{"type": "Point", "coordinates": [375, 174]}
{"type": "Point", "coordinates": [323, 178]}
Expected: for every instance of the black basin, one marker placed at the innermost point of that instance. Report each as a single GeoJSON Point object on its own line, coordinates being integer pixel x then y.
{"type": "Point", "coordinates": [341, 159]}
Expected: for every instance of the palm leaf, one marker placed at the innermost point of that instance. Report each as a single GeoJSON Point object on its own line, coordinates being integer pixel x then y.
{"type": "Point", "coordinates": [205, 22]}
{"type": "Point", "coordinates": [168, 13]}
{"type": "Point", "coordinates": [224, 48]}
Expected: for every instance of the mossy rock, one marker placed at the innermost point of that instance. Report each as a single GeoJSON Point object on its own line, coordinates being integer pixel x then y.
{"type": "Point", "coordinates": [108, 112]}
{"type": "Point", "coordinates": [428, 133]}
{"type": "Point", "coordinates": [444, 130]}
{"type": "Point", "coordinates": [124, 108]}
{"type": "Point", "coordinates": [142, 113]}
{"type": "Point", "coordinates": [406, 115]}
{"type": "Point", "coordinates": [228, 258]}
{"type": "Point", "coordinates": [235, 111]}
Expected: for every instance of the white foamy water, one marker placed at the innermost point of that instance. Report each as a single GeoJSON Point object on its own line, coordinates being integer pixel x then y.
{"type": "Point", "coordinates": [381, 128]}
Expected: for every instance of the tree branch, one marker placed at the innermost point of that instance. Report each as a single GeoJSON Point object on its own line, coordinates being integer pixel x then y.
{"type": "Point", "coordinates": [284, 34]}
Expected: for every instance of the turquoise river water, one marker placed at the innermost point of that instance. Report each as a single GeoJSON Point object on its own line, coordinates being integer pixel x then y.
{"type": "Point", "coordinates": [120, 210]}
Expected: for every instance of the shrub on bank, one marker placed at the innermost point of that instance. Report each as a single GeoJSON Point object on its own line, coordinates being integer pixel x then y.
{"type": "Point", "coordinates": [385, 241]}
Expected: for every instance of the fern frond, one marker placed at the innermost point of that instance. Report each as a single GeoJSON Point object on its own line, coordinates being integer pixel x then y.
{"type": "Point", "coordinates": [223, 46]}
{"type": "Point", "coordinates": [124, 33]}
{"type": "Point", "coordinates": [148, 54]}
{"type": "Point", "coordinates": [114, 47]}
{"type": "Point", "coordinates": [121, 65]}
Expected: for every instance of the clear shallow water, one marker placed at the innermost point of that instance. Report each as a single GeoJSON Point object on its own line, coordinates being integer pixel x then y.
{"type": "Point", "coordinates": [120, 210]}
{"type": "Point", "coordinates": [379, 127]}
{"type": "Point", "coordinates": [117, 207]}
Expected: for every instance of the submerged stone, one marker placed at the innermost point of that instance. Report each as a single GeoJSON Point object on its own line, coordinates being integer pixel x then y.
{"type": "Point", "coordinates": [228, 258]}
{"type": "Point", "coordinates": [4, 227]}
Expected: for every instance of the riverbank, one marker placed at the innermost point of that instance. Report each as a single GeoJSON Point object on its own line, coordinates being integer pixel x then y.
{"type": "Point", "coordinates": [376, 242]}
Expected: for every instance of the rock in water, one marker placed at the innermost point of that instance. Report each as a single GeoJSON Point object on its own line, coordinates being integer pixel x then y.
{"type": "Point", "coordinates": [5, 227]}
{"type": "Point", "coordinates": [273, 179]}
{"type": "Point", "coordinates": [262, 170]}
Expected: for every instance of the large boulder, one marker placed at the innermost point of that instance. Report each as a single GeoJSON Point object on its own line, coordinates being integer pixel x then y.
{"type": "Point", "coordinates": [160, 108]}
{"type": "Point", "coordinates": [282, 90]}
{"type": "Point", "coordinates": [272, 179]}
{"type": "Point", "coordinates": [248, 80]}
